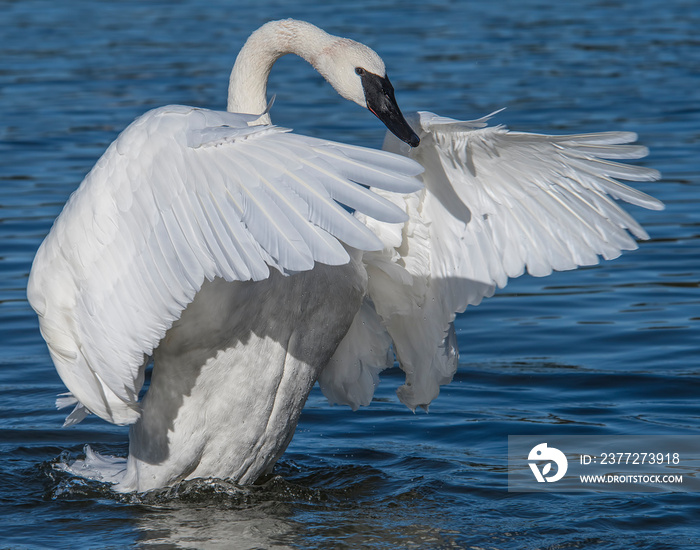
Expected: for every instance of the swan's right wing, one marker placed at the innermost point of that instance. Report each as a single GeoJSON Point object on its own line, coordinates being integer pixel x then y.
{"type": "Point", "coordinates": [181, 196]}
{"type": "Point", "coordinates": [495, 203]}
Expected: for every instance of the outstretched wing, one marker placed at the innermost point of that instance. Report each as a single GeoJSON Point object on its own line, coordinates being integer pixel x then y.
{"type": "Point", "coordinates": [495, 203]}
{"type": "Point", "coordinates": [181, 196]}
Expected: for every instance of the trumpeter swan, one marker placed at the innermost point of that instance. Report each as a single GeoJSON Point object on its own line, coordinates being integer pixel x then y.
{"type": "Point", "coordinates": [214, 242]}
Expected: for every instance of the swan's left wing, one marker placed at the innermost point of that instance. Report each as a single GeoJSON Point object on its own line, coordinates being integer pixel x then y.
{"type": "Point", "coordinates": [495, 203]}
{"type": "Point", "coordinates": [181, 196]}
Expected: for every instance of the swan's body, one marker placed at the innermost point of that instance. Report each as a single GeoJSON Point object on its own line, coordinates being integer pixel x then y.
{"type": "Point", "coordinates": [212, 241]}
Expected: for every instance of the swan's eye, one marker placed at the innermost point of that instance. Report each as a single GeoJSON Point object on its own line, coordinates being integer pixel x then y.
{"type": "Point", "coordinates": [360, 71]}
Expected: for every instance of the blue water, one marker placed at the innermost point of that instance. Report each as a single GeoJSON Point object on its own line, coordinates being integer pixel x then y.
{"type": "Point", "coordinates": [611, 349]}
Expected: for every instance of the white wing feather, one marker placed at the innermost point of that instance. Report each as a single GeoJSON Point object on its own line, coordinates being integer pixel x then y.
{"type": "Point", "coordinates": [495, 203]}
{"type": "Point", "coordinates": [181, 196]}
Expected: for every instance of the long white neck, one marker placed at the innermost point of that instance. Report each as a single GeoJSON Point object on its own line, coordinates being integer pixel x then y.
{"type": "Point", "coordinates": [247, 92]}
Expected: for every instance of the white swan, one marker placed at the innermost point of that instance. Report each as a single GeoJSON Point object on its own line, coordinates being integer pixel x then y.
{"type": "Point", "coordinates": [213, 242]}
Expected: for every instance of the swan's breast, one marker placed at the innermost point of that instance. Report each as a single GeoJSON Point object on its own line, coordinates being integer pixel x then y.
{"type": "Point", "coordinates": [231, 377]}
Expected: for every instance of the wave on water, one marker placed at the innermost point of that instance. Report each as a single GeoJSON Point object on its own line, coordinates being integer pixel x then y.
{"type": "Point", "coordinates": [94, 475]}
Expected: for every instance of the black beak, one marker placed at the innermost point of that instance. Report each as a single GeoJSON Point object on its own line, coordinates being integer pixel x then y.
{"type": "Point", "coordinates": [379, 94]}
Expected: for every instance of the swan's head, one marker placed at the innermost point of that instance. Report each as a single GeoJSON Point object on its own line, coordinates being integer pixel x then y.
{"type": "Point", "coordinates": [358, 74]}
